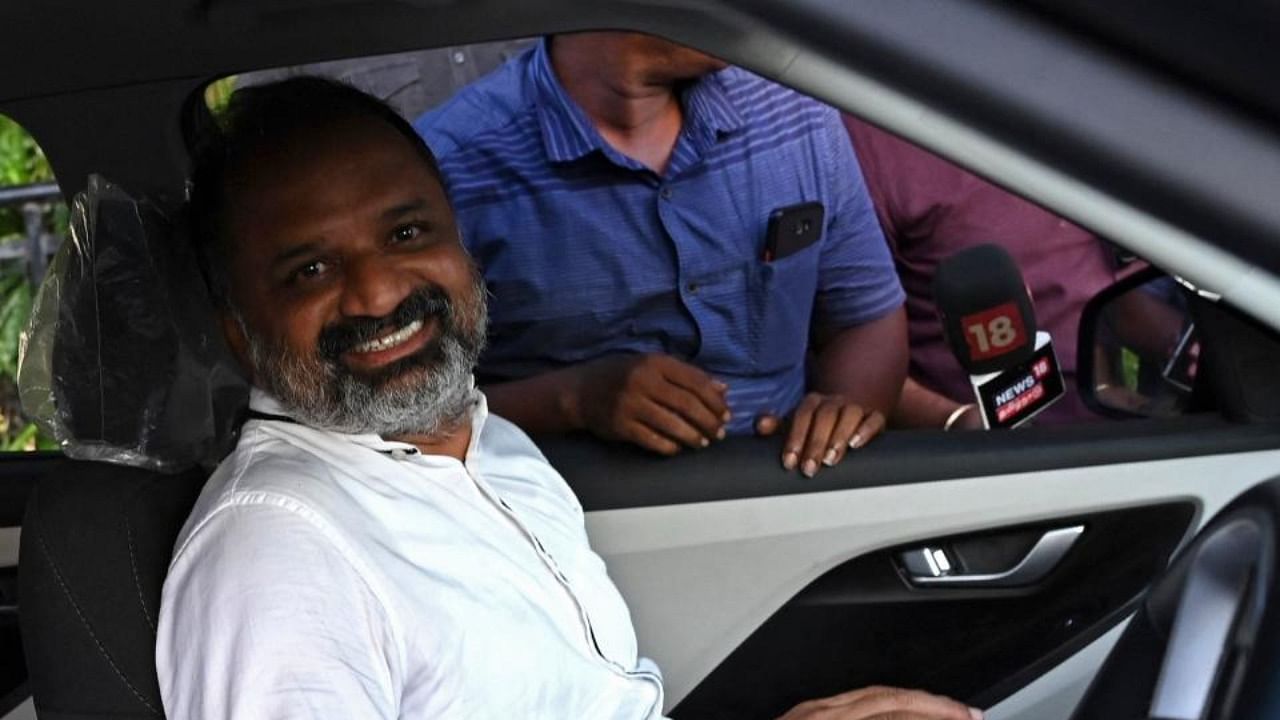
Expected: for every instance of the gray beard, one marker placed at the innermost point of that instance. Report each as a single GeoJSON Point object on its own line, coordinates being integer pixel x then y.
{"type": "Point", "coordinates": [430, 400]}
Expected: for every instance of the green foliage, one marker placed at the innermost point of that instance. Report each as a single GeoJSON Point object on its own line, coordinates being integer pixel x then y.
{"type": "Point", "coordinates": [15, 308]}
{"type": "Point", "coordinates": [22, 162]}
{"type": "Point", "coordinates": [16, 431]}
{"type": "Point", "coordinates": [1129, 368]}
{"type": "Point", "coordinates": [218, 93]}
{"type": "Point", "coordinates": [27, 439]}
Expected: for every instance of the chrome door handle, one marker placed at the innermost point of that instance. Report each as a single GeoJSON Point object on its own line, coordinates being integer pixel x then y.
{"type": "Point", "coordinates": [930, 566]}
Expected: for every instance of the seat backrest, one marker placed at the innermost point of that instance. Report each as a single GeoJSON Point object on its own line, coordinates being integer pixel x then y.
{"type": "Point", "coordinates": [96, 544]}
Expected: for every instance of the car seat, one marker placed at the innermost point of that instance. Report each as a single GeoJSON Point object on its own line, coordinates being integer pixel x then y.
{"type": "Point", "coordinates": [96, 544]}
{"type": "Point", "coordinates": [134, 374]}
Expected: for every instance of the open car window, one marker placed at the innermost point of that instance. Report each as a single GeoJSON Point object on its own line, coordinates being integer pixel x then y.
{"type": "Point", "coordinates": [33, 223]}
{"type": "Point", "coordinates": [927, 208]}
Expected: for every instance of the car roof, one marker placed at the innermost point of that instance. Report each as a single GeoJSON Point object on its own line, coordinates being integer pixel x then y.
{"type": "Point", "coordinates": [69, 45]}
{"type": "Point", "coordinates": [1151, 123]}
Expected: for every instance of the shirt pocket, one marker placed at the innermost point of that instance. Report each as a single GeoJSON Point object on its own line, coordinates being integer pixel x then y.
{"type": "Point", "coordinates": [782, 308]}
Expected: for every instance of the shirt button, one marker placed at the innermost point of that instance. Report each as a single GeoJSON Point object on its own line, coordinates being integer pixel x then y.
{"type": "Point", "coordinates": [667, 193]}
{"type": "Point", "coordinates": [459, 57]}
{"type": "Point", "coordinates": [692, 287]}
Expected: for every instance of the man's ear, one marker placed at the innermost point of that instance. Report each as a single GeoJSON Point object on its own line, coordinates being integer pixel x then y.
{"type": "Point", "coordinates": [233, 331]}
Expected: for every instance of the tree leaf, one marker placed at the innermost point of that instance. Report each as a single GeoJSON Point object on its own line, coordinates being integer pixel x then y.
{"type": "Point", "coordinates": [15, 309]}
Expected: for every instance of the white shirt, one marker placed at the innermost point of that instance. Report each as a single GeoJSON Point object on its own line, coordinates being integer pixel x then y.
{"type": "Point", "coordinates": [323, 575]}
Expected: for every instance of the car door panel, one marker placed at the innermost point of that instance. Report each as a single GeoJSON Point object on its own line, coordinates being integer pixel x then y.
{"type": "Point", "coordinates": [609, 476]}
{"type": "Point", "coordinates": [1055, 694]}
{"type": "Point", "coordinates": [701, 578]}
{"type": "Point", "coordinates": [865, 623]}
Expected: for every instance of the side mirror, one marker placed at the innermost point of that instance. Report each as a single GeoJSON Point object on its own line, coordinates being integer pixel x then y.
{"type": "Point", "coordinates": [1139, 350]}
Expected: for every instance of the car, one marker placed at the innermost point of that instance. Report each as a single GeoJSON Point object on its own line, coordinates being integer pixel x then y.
{"type": "Point", "coordinates": [1153, 124]}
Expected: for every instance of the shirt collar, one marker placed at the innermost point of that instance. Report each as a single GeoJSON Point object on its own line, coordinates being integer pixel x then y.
{"type": "Point", "coordinates": [708, 109]}
{"type": "Point", "coordinates": [568, 134]}
{"type": "Point", "coordinates": [265, 403]}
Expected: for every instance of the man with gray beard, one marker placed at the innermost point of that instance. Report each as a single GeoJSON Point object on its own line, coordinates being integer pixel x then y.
{"type": "Point", "coordinates": [378, 545]}
{"type": "Point", "coordinates": [323, 393]}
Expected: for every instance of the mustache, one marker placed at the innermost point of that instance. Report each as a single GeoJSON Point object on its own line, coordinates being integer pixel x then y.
{"type": "Point", "coordinates": [429, 301]}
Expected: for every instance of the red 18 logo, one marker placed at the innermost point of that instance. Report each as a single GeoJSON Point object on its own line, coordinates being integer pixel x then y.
{"type": "Point", "coordinates": [993, 332]}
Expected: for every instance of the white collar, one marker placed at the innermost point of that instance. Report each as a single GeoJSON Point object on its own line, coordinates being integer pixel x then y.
{"type": "Point", "coordinates": [263, 402]}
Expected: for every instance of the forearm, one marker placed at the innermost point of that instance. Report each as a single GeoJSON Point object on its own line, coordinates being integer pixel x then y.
{"type": "Point", "coordinates": [545, 403]}
{"type": "Point", "coordinates": [867, 364]}
{"type": "Point", "coordinates": [920, 407]}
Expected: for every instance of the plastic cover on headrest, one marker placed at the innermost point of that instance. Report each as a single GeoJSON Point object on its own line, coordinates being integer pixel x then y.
{"type": "Point", "coordinates": [122, 360]}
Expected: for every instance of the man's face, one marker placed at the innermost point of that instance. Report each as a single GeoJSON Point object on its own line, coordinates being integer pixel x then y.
{"type": "Point", "coordinates": [354, 302]}
{"type": "Point", "coordinates": [664, 61]}
{"type": "Point", "coordinates": [678, 61]}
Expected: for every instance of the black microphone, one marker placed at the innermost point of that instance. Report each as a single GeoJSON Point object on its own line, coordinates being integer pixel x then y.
{"type": "Point", "coordinates": [990, 325]}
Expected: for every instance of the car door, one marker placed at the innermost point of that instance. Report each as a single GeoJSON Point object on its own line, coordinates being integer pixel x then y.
{"type": "Point", "coordinates": [755, 588]}
{"type": "Point", "coordinates": [995, 567]}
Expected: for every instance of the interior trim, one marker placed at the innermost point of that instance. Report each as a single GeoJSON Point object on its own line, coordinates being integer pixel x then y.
{"type": "Point", "coordinates": [750, 467]}
{"type": "Point", "coordinates": [701, 577]}
{"type": "Point", "coordinates": [1056, 694]}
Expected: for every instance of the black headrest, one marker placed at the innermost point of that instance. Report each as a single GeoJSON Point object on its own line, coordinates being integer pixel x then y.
{"type": "Point", "coordinates": [96, 545]}
{"type": "Point", "coordinates": [125, 362]}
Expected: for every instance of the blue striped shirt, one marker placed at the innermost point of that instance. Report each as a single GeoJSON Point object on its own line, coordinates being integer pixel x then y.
{"type": "Point", "coordinates": [587, 252]}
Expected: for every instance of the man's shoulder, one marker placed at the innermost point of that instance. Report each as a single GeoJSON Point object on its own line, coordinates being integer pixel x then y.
{"type": "Point", "coordinates": [485, 107]}
{"type": "Point", "coordinates": [271, 476]}
{"type": "Point", "coordinates": [739, 80]}
{"type": "Point", "coordinates": [263, 462]}
{"type": "Point", "coordinates": [763, 102]}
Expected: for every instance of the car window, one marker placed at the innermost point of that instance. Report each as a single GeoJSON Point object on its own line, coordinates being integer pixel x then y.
{"type": "Point", "coordinates": [927, 208]}
{"type": "Point", "coordinates": [33, 223]}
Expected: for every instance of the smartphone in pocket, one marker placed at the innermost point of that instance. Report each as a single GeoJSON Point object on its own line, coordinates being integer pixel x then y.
{"type": "Point", "coordinates": [792, 229]}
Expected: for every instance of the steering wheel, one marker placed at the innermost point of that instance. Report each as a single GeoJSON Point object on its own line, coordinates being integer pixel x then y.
{"type": "Point", "coordinates": [1205, 641]}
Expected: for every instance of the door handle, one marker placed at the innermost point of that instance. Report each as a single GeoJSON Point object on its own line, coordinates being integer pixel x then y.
{"type": "Point", "coordinates": [931, 566]}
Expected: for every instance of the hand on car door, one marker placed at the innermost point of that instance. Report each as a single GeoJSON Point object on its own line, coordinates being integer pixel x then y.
{"type": "Point", "coordinates": [824, 427]}
{"type": "Point", "coordinates": [883, 703]}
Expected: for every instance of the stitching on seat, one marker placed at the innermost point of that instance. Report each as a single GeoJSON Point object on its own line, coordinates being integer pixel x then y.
{"type": "Point", "coordinates": [53, 565]}
{"type": "Point", "coordinates": [137, 579]}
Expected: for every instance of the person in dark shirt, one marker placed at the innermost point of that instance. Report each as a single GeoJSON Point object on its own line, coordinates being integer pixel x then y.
{"type": "Point", "coordinates": [931, 209]}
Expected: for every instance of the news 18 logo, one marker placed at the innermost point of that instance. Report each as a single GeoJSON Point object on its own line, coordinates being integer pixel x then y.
{"type": "Point", "coordinates": [1041, 368]}
{"type": "Point", "coordinates": [993, 332]}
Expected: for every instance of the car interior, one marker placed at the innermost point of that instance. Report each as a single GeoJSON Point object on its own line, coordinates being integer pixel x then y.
{"type": "Point", "coordinates": [1105, 570]}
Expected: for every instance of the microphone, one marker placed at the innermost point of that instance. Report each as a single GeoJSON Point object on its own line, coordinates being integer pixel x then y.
{"type": "Point", "coordinates": [989, 323]}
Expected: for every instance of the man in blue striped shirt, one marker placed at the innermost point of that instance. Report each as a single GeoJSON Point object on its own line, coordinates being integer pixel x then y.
{"type": "Point", "coordinates": [615, 189]}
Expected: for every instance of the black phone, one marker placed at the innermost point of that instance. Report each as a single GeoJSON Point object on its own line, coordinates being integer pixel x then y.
{"type": "Point", "coordinates": [792, 229]}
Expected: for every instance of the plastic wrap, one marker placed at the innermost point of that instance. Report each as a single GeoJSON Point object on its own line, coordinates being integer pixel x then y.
{"type": "Point", "coordinates": [122, 361]}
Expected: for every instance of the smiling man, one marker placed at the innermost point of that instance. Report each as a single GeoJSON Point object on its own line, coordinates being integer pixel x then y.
{"type": "Point", "coordinates": [378, 545]}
